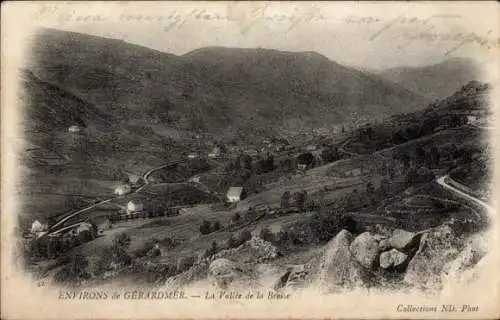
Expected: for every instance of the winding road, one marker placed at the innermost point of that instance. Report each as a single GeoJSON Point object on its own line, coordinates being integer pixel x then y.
{"type": "Point", "coordinates": [449, 184]}
{"type": "Point", "coordinates": [53, 229]}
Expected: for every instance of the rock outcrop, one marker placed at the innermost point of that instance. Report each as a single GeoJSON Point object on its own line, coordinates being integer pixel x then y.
{"type": "Point", "coordinates": [338, 269]}
{"type": "Point", "coordinates": [403, 240]}
{"type": "Point", "coordinates": [223, 272]}
{"type": "Point", "coordinates": [459, 269]}
{"type": "Point", "coordinates": [197, 272]}
{"type": "Point", "coordinates": [431, 260]}
{"type": "Point", "coordinates": [365, 248]}
{"type": "Point", "coordinates": [294, 278]}
{"type": "Point", "coordinates": [437, 247]}
{"type": "Point", "coordinates": [254, 250]}
{"type": "Point", "coordinates": [392, 259]}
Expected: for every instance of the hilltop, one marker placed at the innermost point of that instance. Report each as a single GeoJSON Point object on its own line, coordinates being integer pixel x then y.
{"type": "Point", "coordinates": [227, 91]}
{"type": "Point", "coordinates": [436, 81]}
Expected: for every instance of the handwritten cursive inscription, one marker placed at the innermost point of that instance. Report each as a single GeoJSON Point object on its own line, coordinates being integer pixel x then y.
{"type": "Point", "coordinates": [407, 29]}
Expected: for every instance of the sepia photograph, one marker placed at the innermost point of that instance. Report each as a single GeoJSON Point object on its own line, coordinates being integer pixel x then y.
{"type": "Point", "coordinates": [249, 160]}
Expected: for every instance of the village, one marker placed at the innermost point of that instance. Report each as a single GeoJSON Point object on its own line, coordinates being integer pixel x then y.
{"type": "Point", "coordinates": [158, 194]}
{"type": "Point", "coordinates": [150, 168]}
{"type": "Point", "coordinates": [74, 224]}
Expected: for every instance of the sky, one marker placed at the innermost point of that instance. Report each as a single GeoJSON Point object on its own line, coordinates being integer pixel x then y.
{"type": "Point", "coordinates": [361, 34]}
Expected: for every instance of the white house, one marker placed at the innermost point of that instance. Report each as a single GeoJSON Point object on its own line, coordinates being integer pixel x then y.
{"type": "Point", "coordinates": [37, 227]}
{"type": "Point", "coordinates": [215, 153]}
{"type": "Point", "coordinates": [471, 119]}
{"type": "Point", "coordinates": [234, 194]}
{"type": "Point", "coordinates": [302, 166]}
{"type": "Point", "coordinates": [134, 178]}
{"type": "Point", "coordinates": [134, 206]}
{"type": "Point", "coordinates": [195, 179]}
{"type": "Point", "coordinates": [74, 129]}
{"type": "Point", "coordinates": [122, 190]}
{"type": "Point", "coordinates": [84, 226]}
{"type": "Point", "coordinates": [192, 156]}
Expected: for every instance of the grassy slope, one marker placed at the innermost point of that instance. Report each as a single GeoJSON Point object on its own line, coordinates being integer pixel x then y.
{"type": "Point", "coordinates": [125, 96]}
{"type": "Point", "coordinates": [435, 81]}
{"type": "Point", "coordinates": [62, 171]}
{"type": "Point", "coordinates": [213, 89]}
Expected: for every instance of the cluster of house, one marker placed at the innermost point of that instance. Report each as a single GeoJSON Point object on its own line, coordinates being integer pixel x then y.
{"type": "Point", "coordinates": [274, 145]}
{"type": "Point", "coordinates": [38, 229]}
{"type": "Point", "coordinates": [74, 129]}
{"type": "Point", "coordinates": [234, 194]}
{"type": "Point", "coordinates": [474, 116]}
{"type": "Point", "coordinates": [134, 207]}
{"type": "Point", "coordinates": [137, 208]}
{"type": "Point", "coordinates": [126, 188]}
{"type": "Point", "coordinates": [214, 154]}
{"type": "Point", "coordinates": [123, 190]}
{"type": "Point", "coordinates": [83, 227]}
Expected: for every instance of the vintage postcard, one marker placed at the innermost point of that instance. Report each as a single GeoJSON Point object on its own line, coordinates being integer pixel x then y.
{"type": "Point", "coordinates": [249, 160]}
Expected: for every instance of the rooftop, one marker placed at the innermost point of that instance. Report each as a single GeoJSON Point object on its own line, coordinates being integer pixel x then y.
{"type": "Point", "coordinates": [234, 191]}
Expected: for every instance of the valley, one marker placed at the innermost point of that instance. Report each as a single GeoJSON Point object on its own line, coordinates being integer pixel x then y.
{"type": "Point", "coordinates": [147, 168]}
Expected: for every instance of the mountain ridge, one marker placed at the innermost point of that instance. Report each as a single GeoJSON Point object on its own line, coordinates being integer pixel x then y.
{"type": "Point", "coordinates": [435, 81]}
{"type": "Point", "coordinates": [214, 88]}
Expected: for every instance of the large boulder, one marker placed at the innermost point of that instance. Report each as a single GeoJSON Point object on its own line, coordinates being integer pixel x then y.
{"type": "Point", "coordinates": [474, 250]}
{"type": "Point", "coordinates": [403, 240]}
{"type": "Point", "coordinates": [338, 269]}
{"type": "Point", "coordinates": [293, 278]}
{"type": "Point", "coordinates": [196, 273]}
{"type": "Point", "coordinates": [254, 250]}
{"type": "Point", "coordinates": [223, 272]}
{"type": "Point", "coordinates": [392, 259]}
{"type": "Point", "coordinates": [437, 247]}
{"type": "Point", "coordinates": [227, 274]}
{"type": "Point", "coordinates": [365, 248]}
{"type": "Point", "coordinates": [383, 230]}
{"type": "Point", "coordinates": [267, 274]}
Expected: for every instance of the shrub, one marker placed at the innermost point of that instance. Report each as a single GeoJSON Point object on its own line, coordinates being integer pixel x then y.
{"type": "Point", "coordinates": [185, 263]}
{"type": "Point", "coordinates": [285, 200]}
{"type": "Point", "coordinates": [85, 236]}
{"type": "Point", "coordinates": [282, 237]}
{"type": "Point", "coordinates": [168, 242]}
{"type": "Point", "coordinates": [244, 236]}
{"type": "Point", "coordinates": [293, 237]}
{"type": "Point", "coordinates": [330, 154]}
{"type": "Point", "coordinates": [212, 250]}
{"type": "Point", "coordinates": [305, 158]}
{"type": "Point", "coordinates": [266, 234]}
{"type": "Point", "coordinates": [232, 242]}
{"type": "Point", "coordinates": [205, 227]}
{"type": "Point", "coordinates": [141, 252]}
{"type": "Point", "coordinates": [122, 240]}
{"type": "Point", "coordinates": [76, 270]}
{"type": "Point", "coordinates": [159, 273]}
{"type": "Point", "coordinates": [236, 217]}
{"type": "Point", "coordinates": [326, 226]}
{"type": "Point", "coordinates": [301, 199]}
{"type": "Point", "coordinates": [215, 226]}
